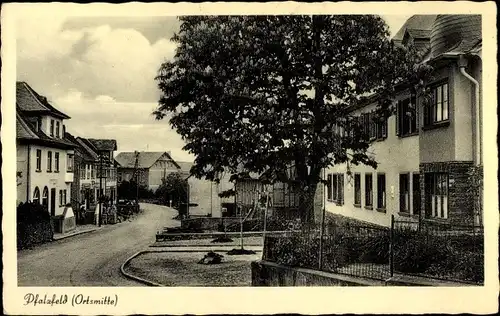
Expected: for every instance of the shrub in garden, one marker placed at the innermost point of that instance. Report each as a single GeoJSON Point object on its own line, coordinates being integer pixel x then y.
{"type": "Point", "coordinates": [33, 225]}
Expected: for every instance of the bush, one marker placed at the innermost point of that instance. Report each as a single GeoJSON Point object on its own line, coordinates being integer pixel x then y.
{"type": "Point", "coordinates": [34, 225]}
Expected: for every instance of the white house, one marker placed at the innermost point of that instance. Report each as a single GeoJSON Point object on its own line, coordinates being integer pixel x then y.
{"type": "Point", "coordinates": [44, 157]}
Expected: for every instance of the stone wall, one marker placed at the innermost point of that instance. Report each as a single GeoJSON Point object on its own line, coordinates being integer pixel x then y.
{"type": "Point", "coordinates": [265, 273]}
{"type": "Point", "coordinates": [460, 197]}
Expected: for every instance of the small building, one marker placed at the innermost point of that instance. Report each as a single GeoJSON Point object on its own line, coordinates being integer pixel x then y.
{"type": "Point", "coordinates": [149, 167]}
{"type": "Point", "coordinates": [205, 193]}
{"type": "Point", "coordinates": [104, 168]}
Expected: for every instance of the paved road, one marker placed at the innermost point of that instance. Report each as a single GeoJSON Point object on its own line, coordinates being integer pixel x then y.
{"type": "Point", "coordinates": [93, 259]}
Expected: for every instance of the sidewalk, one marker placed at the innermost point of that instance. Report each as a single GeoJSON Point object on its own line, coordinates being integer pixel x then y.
{"type": "Point", "coordinates": [80, 229]}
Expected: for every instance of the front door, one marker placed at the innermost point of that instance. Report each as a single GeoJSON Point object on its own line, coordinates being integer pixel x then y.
{"type": "Point", "coordinates": [53, 202]}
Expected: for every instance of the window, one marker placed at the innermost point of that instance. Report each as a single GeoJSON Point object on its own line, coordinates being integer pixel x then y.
{"type": "Point", "coordinates": [329, 187]}
{"type": "Point", "coordinates": [60, 197]}
{"type": "Point", "coordinates": [407, 117]}
{"type": "Point", "coordinates": [340, 189]}
{"type": "Point", "coordinates": [49, 161]}
{"type": "Point", "coordinates": [374, 126]}
{"type": "Point", "coordinates": [382, 128]}
{"type": "Point", "coordinates": [45, 197]}
{"type": "Point", "coordinates": [437, 110]}
{"type": "Point", "coordinates": [368, 190]}
{"type": "Point", "coordinates": [52, 128]}
{"type": "Point", "coordinates": [56, 162]}
{"type": "Point", "coordinates": [69, 164]}
{"type": "Point", "coordinates": [92, 172]}
{"type": "Point", "coordinates": [437, 195]}
{"type": "Point", "coordinates": [38, 160]}
{"type": "Point", "coordinates": [89, 171]}
{"type": "Point", "coordinates": [65, 197]}
{"type": "Point", "coordinates": [404, 192]}
{"type": "Point", "coordinates": [416, 194]}
{"type": "Point", "coordinates": [36, 195]}
{"type": "Point", "coordinates": [57, 129]}
{"type": "Point", "coordinates": [336, 188]}
{"type": "Point", "coordinates": [381, 191]}
{"type": "Point", "coordinates": [357, 189]}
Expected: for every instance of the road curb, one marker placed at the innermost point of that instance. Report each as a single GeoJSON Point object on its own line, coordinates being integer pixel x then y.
{"type": "Point", "coordinates": [134, 277]}
{"type": "Point", "coordinates": [75, 234]}
{"type": "Point", "coordinates": [151, 283]}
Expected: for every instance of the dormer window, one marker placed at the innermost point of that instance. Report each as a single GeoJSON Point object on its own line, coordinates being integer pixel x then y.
{"type": "Point", "coordinates": [63, 130]}
{"type": "Point", "coordinates": [57, 129]}
{"type": "Point", "coordinates": [52, 128]}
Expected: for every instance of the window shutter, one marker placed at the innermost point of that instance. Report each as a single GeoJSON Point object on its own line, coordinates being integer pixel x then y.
{"type": "Point", "coordinates": [341, 185]}
{"type": "Point", "coordinates": [398, 110]}
{"type": "Point", "coordinates": [384, 126]}
{"type": "Point", "coordinates": [417, 116]}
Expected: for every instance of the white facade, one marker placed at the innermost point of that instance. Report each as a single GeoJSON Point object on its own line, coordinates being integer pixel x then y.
{"type": "Point", "coordinates": [40, 181]}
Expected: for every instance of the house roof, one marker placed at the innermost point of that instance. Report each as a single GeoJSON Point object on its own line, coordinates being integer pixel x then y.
{"type": "Point", "coordinates": [146, 159]}
{"type": "Point", "coordinates": [90, 150]}
{"type": "Point", "coordinates": [417, 33]}
{"type": "Point", "coordinates": [103, 144]}
{"type": "Point", "coordinates": [29, 101]}
{"type": "Point", "coordinates": [420, 22]}
{"type": "Point", "coordinates": [26, 132]}
{"type": "Point", "coordinates": [23, 130]}
{"type": "Point", "coordinates": [87, 154]}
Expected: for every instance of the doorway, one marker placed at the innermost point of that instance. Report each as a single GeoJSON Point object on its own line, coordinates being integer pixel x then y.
{"type": "Point", "coordinates": [53, 202]}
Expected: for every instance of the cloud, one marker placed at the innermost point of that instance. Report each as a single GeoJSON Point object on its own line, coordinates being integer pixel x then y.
{"type": "Point", "coordinates": [98, 60]}
{"type": "Point", "coordinates": [131, 124]}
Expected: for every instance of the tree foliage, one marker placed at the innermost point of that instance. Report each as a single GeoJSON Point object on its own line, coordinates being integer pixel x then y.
{"type": "Point", "coordinates": [263, 93]}
{"type": "Point", "coordinates": [174, 188]}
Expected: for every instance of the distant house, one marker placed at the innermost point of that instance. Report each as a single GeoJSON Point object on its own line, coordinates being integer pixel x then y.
{"type": "Point", "coordinates": [151, 167]}
{"type": "Point", "coordinates": [44, 156]}
{"type": "Point", "coordinates": [104, 148]}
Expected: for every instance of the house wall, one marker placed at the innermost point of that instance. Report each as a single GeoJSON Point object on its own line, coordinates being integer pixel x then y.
{"type": "Point", "coordinates": [206, 194]}
{"type": "Point", "coordinates": [126, 174]}
{"type": "Point", "coordinates": [42, 178]}
{"type": "Point", "coordinates": [438, 144]}
{"type": "Point", "coordinates": [394, 155]}
{"type": "Point", "coordinates": [46, 119]}
{"type": "Point", "coordinates": [445, 149]}
{"type": "Point", "coordinates": [22, 168]}
{"type": "Point", "coordinates": [159, 170]}
{"type": "Point", "coordinates": [463, 92]}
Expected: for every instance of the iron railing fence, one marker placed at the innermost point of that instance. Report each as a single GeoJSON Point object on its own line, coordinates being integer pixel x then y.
{"type": "Point", "coordinates": [439, 250]}
{"type": "Point", "coordinates": [449, 252]}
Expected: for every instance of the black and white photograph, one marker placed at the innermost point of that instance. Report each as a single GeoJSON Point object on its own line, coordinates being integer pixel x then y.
{"type": "Point", "coordinates": [247, 150]}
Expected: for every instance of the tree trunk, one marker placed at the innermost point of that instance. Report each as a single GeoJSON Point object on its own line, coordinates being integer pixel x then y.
{"type": "Point", "coordinates": [306, 202]}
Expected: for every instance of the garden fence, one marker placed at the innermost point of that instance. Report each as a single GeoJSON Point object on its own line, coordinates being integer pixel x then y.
{"type": "Point", "coordinates": [409, 248]}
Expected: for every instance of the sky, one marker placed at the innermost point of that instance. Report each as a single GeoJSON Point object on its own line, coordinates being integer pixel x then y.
{"type": "Point", "coordinates": [100, 71]}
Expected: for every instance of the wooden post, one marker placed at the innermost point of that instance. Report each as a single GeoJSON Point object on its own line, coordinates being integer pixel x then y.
{"type": "Point", "coordinates": [322, 229]}
{"type": "Point", "coordinates": [391, 248]}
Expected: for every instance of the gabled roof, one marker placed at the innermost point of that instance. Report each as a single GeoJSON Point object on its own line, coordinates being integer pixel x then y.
{"type": "Point", "coordinates": [146, 159]}
{"type": "Point", "coordinates": [103, 144]}
{"type": "Point", "coordinates": [86, 154]}
{"type": "Point", "coordinates": [27, 133]}
{"type": "Point", "coordinates": [88, 147]}
{"type": "Point", "coordinates": [29, 101]}
{"type": "Point", "coordinates": [185, 166]}
{"type": "Point", "coordinates": [418, 34]}
{"type": "Point", "coordinates": [23, 130]}
{"type": "Point", "coordinates": [415, 22]}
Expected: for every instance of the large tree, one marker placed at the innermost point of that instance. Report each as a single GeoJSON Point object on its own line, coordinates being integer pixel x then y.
{"type": "Point", "coordinates": [263, 93]}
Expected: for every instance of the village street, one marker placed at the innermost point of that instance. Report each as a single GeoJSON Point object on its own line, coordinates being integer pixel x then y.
{"type": "Point", "coordinates": [93, 259]}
